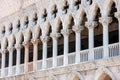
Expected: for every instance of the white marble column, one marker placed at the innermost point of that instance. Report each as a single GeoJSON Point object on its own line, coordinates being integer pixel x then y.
{"type": "Point", "coordinates": [117, 15]}
{"type": "Point", "coordinates": [18, 48]}
{"type": "Point", "coordinates": [26, 58]}
{"type": "Point", "coordinates": [35, 53]}
{"type": "Point", "coordinates": [3, 62]}
{"type": "Point", "coordinates": [105, 22]}
{"type": "Point", "coordinates": [66, 44]}
{"type": "Point", "coordinates": [44, 40]}
{"type": "Point", "coordinates": [91, 25]}
{"type": "Point", "coordinates": [10, 49]}
{"type": "Point", "coordinates": [78, 30]}
{"type": "Point", "coordinates": [55, 37]}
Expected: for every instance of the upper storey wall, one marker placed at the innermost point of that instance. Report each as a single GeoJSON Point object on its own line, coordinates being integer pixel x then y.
{"type": "Point", "coordinates": [8, 7]}
{"type": "Point", "coordinates": [38, 18]}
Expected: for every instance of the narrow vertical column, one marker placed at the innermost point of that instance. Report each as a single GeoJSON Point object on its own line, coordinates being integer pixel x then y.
{"type": "Point", "coordinates": [117, 15]}
{"type": "Point", "coordinates": [105, 22]}
{"type": "Point", "coordinates": [18, 48]}
{"type": "Point", "coordinates": [91, 25]}
{"type": "Point", "coordinates": [55, 37]}
{"type": "Point", "coordinates": [26, 45]}
{"type": "Point", "coordinates": [35, 53]}
{"type": "Point", "coordinates": [3, 63]}
{"type": "Point", "coordinates": [77, 30]}
{"type": "Point", "coordinates": [66, 44]}
{"type": "Point", "coordinates": [10, 49]}
{"type": "Point", "coordinates": [44, 40]}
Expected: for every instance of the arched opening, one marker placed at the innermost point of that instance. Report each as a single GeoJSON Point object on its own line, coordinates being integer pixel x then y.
{"type": "Point", "coordinates": [22, 55]}
{"type": "Point", "coordinates": [60, 46]}
{"type": "Point", "coordinates": [7, 59]}
{"type": "Point", "coordinates": [98, 31]}
{"type": "Point", "coordinates": [72, 38]}
{"type": "Point", "coordinates": [49, 50]}
{"type": "Point", "coordinates": [0, 60]}
{"type": "Point", "coordinates": [30, 52]}
{"type": "Point", "coordinates": [113, 33]}
{"type": "Point", "coordinates": [113, 27]}
{"type": "Point", "coordinates": [98, 37]}
{"type": "Point", "coordinates": [76, 78]}
{"type": "Point", "coordinates": [84, 35]}
{"type": "Point", "coordinates": [14, 57]}
{"type": "Point", "coordinates": [49, 46]}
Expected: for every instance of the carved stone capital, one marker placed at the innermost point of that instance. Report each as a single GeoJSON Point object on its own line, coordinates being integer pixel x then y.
{"type": "Point", "coordinates": [26, 44]}
{"type": "Point", "coordinates": [77, 29]}
{"type": "Point", "coordinates": [44, 39]}
{"type": "Point", "coordinates": [55, 35]}
{"type": "Point", "coordinates": [91, 24]}
{"type": "Point", "coordinates": [10, 49]}
{"type": "Point", "coordinates": [4, 51]}
{"type": "Point", "coordinates": [117, 15]}
{"type": "Point", "coordinates": [105, 21]}
{"type": "Point", "coordinates": [35, 41]}
{"type": "Point", "coordinates": [18, 46]}
{"type": "Point", "coordinates": [66, 32]}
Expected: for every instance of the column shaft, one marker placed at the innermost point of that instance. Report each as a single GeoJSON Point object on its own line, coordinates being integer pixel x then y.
{"type": "Point", "coordinates": [55, 52]}
{"type": "Point", "coordinates": [35, 57]}
{"type": "Point", "coordinates": [91, 43]}
{"type": "Point", "coordinates": [18, 61]}
{"type": "Point", "coordinates": [44, 65]}
{"type": "Point", "coordinates": [105, 41]}
{"type": "Point", "coordinates": [3, 65]}
{"type": "Point", "coordinates": [26, 45]}
{"type": "Point", "coordinates": [10, 61]}
{"type": "Point", "coordinates": [66, 46]}
{"type": "Point", "coordinates": [78, 47]}
{"type": "Point", "coordinates": [119, 37]}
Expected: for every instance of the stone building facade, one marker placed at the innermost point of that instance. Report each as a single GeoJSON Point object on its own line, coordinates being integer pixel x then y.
{"type": "Point", "coordinates": [61, 40]}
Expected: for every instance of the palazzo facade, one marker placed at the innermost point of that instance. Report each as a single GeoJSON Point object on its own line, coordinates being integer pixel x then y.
{"type": "Point", "coordinates": [61, 40]}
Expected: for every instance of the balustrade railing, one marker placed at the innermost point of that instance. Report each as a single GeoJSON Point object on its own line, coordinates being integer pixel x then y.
{"type": "Point", "coordinates": [30, 66]}
{"type": "Point", "coordinates": [39, 65]}
{"type": "Point", "coordinates": [6, 71]}
{"type": "Point", "coordinates": [113, 49]}
{"type": "Point", "coordinates": [84, 55]}
{"type": "Point", "coordinates": [21, 68]}
{"type": "Point", "coordinates": [98, 54]}
{"type": "Point", "coordinates": [14, 70]}
{"type": "Point", "coordinates": [71, 58]}
{"type": "Point", "coordinates": [60, 60]}
{"type": "Point", "coordinates": [49, 62]}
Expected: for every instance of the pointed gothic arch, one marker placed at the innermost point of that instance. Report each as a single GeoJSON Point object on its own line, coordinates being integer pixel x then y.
{"type": "Point", "coordinates": [75, 75]}
{"type": "Point", "coordinates": [100, 73]}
